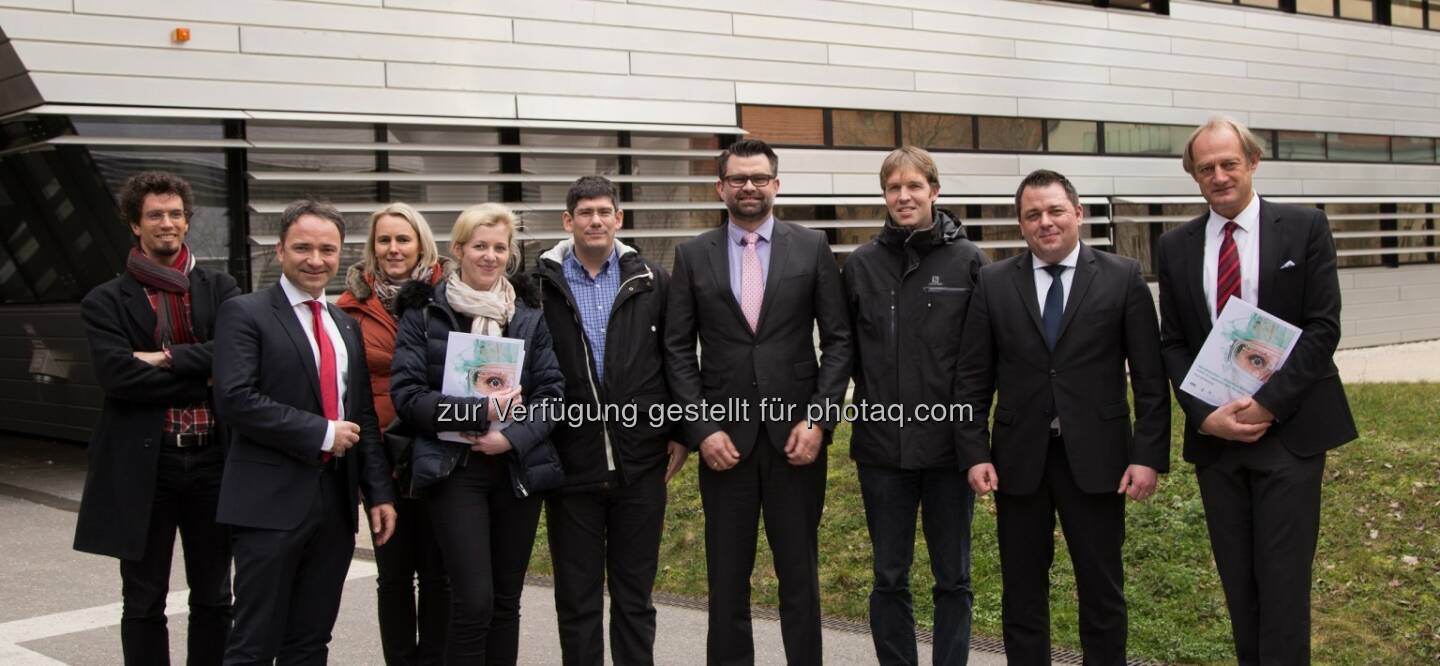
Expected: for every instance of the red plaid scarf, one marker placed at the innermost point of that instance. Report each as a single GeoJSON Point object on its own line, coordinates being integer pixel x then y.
{"type": "Point", "coordinates": [172, 321]}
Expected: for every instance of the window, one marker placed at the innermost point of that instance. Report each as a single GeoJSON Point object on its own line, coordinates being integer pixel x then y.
{"type": "Point", "coordinates": [864, 129]}
{"type": "Point", "coordinates": [1138, 139]}
{"type": "Point", "coordinates": [935, 131]}
{"type": "Point", "coordinates": [1358, 147]}
{"type": "Point", "coordinates": [1011, 134]}
{"type": "Point", "coordinates": [1317, 7]}
{"type": "Point", "coordinates": [1361, 10]}
{"type": "Point", "coordinates": [1407, 13]}
{"type": "Point", "coordinates": [1301, 145]}
{"type": "Point", "coordinates": [784, 125]}
{"type": "Point", "coordinates": [1072, 136]}
{"type": "Point", "coordinates": [1269, 4]}
{"type": "Point", "coordinates": [1413, 149]}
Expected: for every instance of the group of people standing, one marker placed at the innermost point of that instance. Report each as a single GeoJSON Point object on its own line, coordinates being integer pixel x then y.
{"type": "Point", "coordinates": [254, 425]}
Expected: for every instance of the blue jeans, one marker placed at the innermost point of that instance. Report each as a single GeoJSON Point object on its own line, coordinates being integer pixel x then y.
{"type": "Point", "coordinates": [892, 497]}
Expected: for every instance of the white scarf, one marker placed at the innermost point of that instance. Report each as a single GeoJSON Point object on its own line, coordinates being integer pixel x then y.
{"type": "Point", "coordinates": [493, 307]}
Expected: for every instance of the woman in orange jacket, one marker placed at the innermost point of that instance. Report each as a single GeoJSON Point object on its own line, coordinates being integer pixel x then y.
{"type": "Point", "coordinates": [400, 249]}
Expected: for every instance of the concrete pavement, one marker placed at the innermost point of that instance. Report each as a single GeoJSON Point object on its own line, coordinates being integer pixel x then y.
{"type": "Point", "coordinates": [62, 607]}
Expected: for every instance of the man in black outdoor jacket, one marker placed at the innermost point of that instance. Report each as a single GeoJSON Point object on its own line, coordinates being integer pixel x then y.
{"type": "Point", "coordinates": [605, 306]}
{"type": "Point", "coordinates": [908, 290]}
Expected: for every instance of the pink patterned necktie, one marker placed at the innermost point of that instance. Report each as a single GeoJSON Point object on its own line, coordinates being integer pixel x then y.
{"type": "Point", "coordinates": [752, 284]}
{"type": "Point", "coordinates": [1227, 270]}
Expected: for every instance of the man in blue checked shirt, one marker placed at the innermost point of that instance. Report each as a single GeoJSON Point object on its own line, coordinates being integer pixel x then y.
{"type": "Point", "coordinates": [606, 521]}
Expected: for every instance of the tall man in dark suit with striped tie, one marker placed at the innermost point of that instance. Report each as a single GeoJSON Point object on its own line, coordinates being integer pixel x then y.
{"type": "Point", "coordinates": [1259, 460]}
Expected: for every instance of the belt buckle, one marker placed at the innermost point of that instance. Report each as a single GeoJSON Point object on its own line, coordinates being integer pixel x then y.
{"type": "Point", "coordinates": [195, 439]}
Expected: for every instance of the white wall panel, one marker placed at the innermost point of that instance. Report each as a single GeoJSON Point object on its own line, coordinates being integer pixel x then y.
{"type": "Point", "coordinates": [1346, 94]}
{"type": "Point", "coordinates": [1030, 10]}
{"type": "Point", "coordinates": [738, 69]}
{"type": "Point", "coordinates": [1321, 123]}
{"type": "Point", "coordinates": [1293, 105]}
{"type": "Point", "coordinates": [660, 41]}
{"type": "Point", "coordinates": [857, 98]}
{"type": "Point", "coordinates": [1259, 53]}
{"type": "Point", "coordinates": [184, 64]}
{"type": "Point", "coordinates": [1152, 24]}
{"type": "Point", "coordinates": [30, 25]}
{"type": "Point", "coordinates": [1085, 92]}
{"type": "Point", "coordinates": [1261, 70]}
{"type": "Point", "coordinates": [939, 61]}
{"type": "Point", "coordinates": [825, 10]}
{"type": "Point", "coordinates": [554, 107]}
{"type": "Point", "coordinates": [309, 15]}
{"type": "Point", "coordinates": [490, 79]}
{"type": "Point", "coordinates": [1202, 82]}
{"type": "Point", "coordinates": [49, 5]}
{"type": "Point", "coordinates": [1040, 28]}
{"type": "Point", "coordinates": [398, 48]}
{"type": "Point", "coordinates": [1118, 112]}
{"type": "Point", "coordinates": [1384, 51]}
{"type": "Point", "coordinates": [842, 33]}
{"type": "Point", "coordinates": [1099, 56]}
{"type": "Point", "coordinates": [141, 91]}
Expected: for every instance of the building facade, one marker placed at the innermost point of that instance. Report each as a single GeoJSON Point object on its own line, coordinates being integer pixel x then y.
{"type": "Point", "coordinates": [447, 103]}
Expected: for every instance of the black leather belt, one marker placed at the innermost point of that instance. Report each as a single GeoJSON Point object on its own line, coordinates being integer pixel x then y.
{"type": "Point", "coordinates": [187, 440]}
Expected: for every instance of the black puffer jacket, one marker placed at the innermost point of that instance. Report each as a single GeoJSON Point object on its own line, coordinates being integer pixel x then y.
{"type": "Point", "coordinates": [907, 293]}
{"type": "Point", "coordinates": [418, 371]}
{"type": "Point", "coordinates": [596, 453]}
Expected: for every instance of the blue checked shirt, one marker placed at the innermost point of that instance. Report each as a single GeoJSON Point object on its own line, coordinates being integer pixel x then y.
{"type": "Point", "coordinates": [594, 298]}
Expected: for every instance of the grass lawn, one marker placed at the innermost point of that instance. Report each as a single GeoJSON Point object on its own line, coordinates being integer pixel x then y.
{"type": "Point", "coordinates": [1377, 574]}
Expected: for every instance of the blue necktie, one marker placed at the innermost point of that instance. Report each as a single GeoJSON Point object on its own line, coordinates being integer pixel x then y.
{"type": "Point", "coordinates": [1054, 305]}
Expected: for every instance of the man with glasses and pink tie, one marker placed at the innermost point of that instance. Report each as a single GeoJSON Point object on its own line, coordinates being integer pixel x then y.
{"type": "Point", "coordinates": [752, 291]}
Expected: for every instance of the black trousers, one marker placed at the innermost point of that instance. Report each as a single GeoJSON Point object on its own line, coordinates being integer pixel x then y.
{"type": "Point", "coordinates": [288, 582]}
{"type": "Point", "coordinates": [187, 489]}
{"type": "Point", "coordinates": [791, 498]}
{"type": "Point", "coordinates": [485, 534]}
{"type": "Point", "coordinates": [607, 535]}
{"type": "Point", "coordinates": [1262, 506]}
{"type": "Point", "coordinates": [412, 554]}
{"type": "Point", "coordinates": [1094, 527]}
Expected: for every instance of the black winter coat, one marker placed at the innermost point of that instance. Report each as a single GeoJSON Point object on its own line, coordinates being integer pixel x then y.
{"type": "Point", "coordinates": [908, 293]}
{"type": "Point", "coordinates": [125, 445]}
{"type": "Point", "coordinates": [418, 372]}
{"type": "Point", "coordinates": [598, 452]}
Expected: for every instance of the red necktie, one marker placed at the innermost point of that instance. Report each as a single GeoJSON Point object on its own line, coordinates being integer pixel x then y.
{"type": "Point", "coordinates": [329, 385]}
{"type": "Point", "coordinates": [1227, 273]}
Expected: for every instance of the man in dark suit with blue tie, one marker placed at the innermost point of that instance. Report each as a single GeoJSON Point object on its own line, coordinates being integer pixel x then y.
{"type": "Point", "coordinates": [290, 376]}
{"type": "Point", "coordinates": [1259, 460]}
{"type": "Point", "coordinates": [752, 292]}
{"type": "Point", "coordinates": [1053, 330]}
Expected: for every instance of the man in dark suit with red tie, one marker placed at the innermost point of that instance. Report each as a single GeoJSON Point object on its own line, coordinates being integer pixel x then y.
{"type": "Point", "coordinates": [1259, 460]}
{"type": "Point", "coordinates": [290, 375]}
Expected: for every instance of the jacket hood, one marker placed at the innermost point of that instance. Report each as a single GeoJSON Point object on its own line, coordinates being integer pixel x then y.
{"type": "Point", "coordinates": [356, 283]}
{"type": "Point", "coordinates": [946, 228]}
{"type": "Point", "coordinates": [562, 249]}
{"type": "Point", "coordinates": [417, 293]}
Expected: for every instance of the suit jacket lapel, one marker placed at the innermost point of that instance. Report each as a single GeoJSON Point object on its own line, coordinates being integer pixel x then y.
{"type": "Point", "coordinates": [286, 316]}
{"type": "Point", "coordinates": [138, 305]}
{"type": "Point", "coordinates": [200, 305]}
{"type": "Point", "coordinates": [719, 256]}
{"type": "Point", "coordinates": [779, 248]}
{"type": "Point", "coordinates": [354, 352]}
{"type": "Point", "coordinates": [1272, 240]}
{"type": "Point", "coordinates": [1025, 284]}
{"type": "Point", "coordinates": [1194, 256]}
{"type": "Point", "coordinates": [1084, 274]}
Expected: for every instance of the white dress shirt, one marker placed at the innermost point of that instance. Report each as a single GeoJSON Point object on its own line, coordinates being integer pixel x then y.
{"type": "Point", "coordinates": [1042, 289]}
{"type": "Point", "coordinates": [1247, 244]}
{"type": "Point", "coordinates": [1043, 279]}
{"type": "Point", "coordinates": [298, 300]}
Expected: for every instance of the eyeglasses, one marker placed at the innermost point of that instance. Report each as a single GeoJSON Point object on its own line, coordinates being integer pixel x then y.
{"type": "Point", "coordinates": [176, 215]}
{"type": "Point", "coordinates": [757, 179]}
{"type": "Point", "coordinates": [602, 213]}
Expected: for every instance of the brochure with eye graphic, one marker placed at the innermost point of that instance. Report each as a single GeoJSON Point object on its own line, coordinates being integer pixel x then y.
{"type": "Point", "coordinates": [1246, 346]}
{"type": "Point", "coordinates": [480, 366]}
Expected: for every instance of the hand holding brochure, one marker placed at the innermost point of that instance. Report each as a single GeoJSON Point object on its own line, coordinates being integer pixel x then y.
{"type": "Point", "coordinates": [1246, 346]}
{"type": "Point", "coordinates": [480, 366]}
